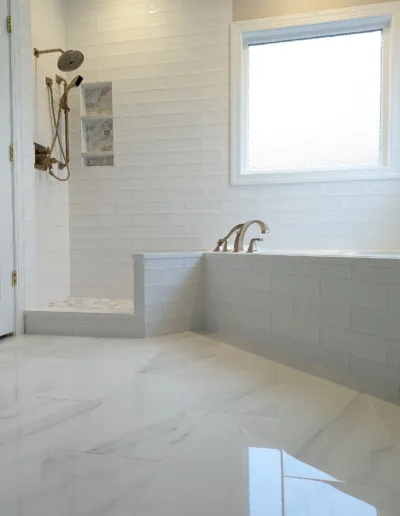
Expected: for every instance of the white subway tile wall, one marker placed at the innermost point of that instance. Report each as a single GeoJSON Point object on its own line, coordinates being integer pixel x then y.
{"type": "Point", "coordinates": [350, 325]}
{"type": "Point", "coordinates": [168, 298]}
{"type": "Point", "coordinates": [169, 188]}
{"type": "Point", "coordinates": [171, 292]}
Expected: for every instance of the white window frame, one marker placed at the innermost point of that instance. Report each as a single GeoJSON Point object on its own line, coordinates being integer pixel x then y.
{"type": "Point", "coordinates": [385, 17]}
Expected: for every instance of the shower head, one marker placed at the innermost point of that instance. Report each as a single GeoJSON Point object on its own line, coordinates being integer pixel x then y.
{"type": "Point", "coordinates": [70, 60]}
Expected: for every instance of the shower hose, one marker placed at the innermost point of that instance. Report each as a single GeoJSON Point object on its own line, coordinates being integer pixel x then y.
{"type": "Point", "coordinates": [57, 122]}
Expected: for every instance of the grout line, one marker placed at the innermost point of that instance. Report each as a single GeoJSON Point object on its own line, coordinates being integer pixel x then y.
{"type": "Point", "coordinates": [282, 485]}
{"type": "Point", "coordinates": [374, 410]}
{"type": "Point", "coordinates": [307, 444]}
{"type": "Point", "coordinates": [353, 484]}
{"type": "Point", "coordinates": [76, 452]}
{"type": "Point", "coordinates": [74, 400]}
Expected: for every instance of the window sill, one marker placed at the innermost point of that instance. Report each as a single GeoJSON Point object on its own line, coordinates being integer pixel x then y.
{"type": "Point", "coordinates": [315, 176]}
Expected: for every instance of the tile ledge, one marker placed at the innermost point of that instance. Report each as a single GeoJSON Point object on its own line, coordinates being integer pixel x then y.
{"type": "Point", "coordinates": [166, 256]}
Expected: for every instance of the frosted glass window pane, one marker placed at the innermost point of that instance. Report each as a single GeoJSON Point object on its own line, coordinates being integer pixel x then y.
{"type": "Point", "coordinates": [315, 103]}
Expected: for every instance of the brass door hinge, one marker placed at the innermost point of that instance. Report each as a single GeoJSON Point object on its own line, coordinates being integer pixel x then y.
{"type": "Point", "coordinates": [14, 278]}
{"type": "Point", "coordinates": [9, 24]}
{"type": "Point", "coordinates": [12, 152]}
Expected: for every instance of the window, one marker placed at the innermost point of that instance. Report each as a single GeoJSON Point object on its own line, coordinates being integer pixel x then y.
{"type": "Point", "coordinates": [322, 107]}
{"type": "Point", "coordinates": [311, 98]}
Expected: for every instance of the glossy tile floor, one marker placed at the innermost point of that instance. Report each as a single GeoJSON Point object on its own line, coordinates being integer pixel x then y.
{"type": "Point", "coordinates": [185, 426]}
{"type": "Point", "coordinates": [90, 304]}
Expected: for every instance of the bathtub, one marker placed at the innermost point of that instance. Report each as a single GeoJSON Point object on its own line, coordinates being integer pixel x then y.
{"type": "Point", "coordinates": [365, 253]}
{"type": "Point", "coordinates": [337, 311]}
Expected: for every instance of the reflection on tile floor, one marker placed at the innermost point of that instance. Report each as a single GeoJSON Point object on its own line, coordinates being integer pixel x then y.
{"type": "Point", "coordinates": [91, 304]}
{"type": "Point", "coordinates": [185, 425]}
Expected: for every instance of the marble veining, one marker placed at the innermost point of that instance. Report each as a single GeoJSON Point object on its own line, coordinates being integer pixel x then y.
{"type": "Point", "coordinates": [98, 100]}
{"type": "Point", "coordinates": [185, 425]}
{"type": "Point", "coordinates": [99, 136]}
{"type": "Point", "coordinates": [100, 161]}
{"type": "Point", "coordinates": [89, 304]}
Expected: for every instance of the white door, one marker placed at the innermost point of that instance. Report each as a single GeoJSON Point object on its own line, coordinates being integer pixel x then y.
{"type": "Point", "coordinates": [6, 186]}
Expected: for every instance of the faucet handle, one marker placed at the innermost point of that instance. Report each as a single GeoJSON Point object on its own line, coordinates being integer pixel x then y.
{"type": "Point", "coordinates": [227, 247]}
{"type": "Point", "coordinates": [218, 248]}
{"type": "Point", "coordinates": [253, 245]}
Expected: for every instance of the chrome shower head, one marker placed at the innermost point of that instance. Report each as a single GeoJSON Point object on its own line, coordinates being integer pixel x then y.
{"type": "Point", "coordinates": [70, 60]}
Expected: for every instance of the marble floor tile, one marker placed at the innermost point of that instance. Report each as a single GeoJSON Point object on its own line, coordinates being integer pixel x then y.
{"type": "Point", "coordinates": [290, 376]}
{"type": "Point", "coordinates": [228, 465]}
{"type": "Point", "coordinates": [29, 429]}
{"type": "Point", "coordinates": [314, 498]}
{"type": "Point", "coordinates": [394, 432]}
{"type": "Point", "coordinates": [149, 414]}
{"type": "Point", "coordinates": [388, 413]}
{"type": "Point", "coordinates": [72, 484]}
{"type": "Point", "coordinates": [186, 425]}
{"type": "Point", "coordinates": [79, 368]}
{"type": "Point", "coordinates": [305, 411]}
{"type": "Point", "coordinates": [202, 357]}
{"type": "Point", "coordinates": [295, 468]}
{"type": "Point", "coordinates": [183, 358]}
{"type": "Point", "coordinates": [355, 447]}
{"type": "Point", "coordinates": [140, 421]}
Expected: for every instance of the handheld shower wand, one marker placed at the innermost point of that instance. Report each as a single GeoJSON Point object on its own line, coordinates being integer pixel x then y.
{"type": "Point", "coordinates": [75, 83]}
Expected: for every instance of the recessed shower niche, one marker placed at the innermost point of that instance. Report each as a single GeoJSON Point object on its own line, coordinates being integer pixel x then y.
{"type": "Point", "coordinates": [97, 125]}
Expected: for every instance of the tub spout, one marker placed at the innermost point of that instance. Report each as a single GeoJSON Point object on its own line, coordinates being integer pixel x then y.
{"type": "Point", "coordinates": [253, 245]}
{"type": "Point", "coordinates": [242, 233]}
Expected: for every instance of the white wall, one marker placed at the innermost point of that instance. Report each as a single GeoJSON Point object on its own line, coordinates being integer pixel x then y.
{"type": "Point", "coordinates": [251, 9]}
{"type": "Point", "coordinates": [52, 197]}
{"type": "Point", "coordinates": [170, 187]}
{"type": "Point", "coordinates": [27, 259]}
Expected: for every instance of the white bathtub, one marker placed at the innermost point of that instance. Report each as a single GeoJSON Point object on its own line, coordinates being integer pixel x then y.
{"type": "Point", "coordinates": [335, 309]}
{"type": "Point", "coordinates": [365, 253]}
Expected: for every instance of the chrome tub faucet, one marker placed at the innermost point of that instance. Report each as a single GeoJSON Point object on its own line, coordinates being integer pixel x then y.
{"type": "Point", "coordinates": [241, 230]}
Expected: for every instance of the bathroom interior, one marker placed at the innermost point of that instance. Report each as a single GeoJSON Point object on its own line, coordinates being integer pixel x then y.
{"type": "Point", "coordinates": [209, 193]}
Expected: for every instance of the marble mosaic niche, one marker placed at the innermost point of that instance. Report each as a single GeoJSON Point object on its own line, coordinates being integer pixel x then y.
{"type": "Point", "coordinates": [98, 100]}
{"type": "Point", "coordinates": [89, 304]}
{"type": "Point", "coordinates": [100, 161]}
{"type": "Point", "coordinates": [99, 136]}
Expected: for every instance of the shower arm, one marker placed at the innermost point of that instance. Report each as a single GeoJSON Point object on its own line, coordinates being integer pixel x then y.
{"type": "Point", "coordinates": [37, 52]}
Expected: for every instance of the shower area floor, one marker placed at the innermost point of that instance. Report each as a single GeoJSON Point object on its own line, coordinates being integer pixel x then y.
{"type": "Point", "coordinates": [93, 305]}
